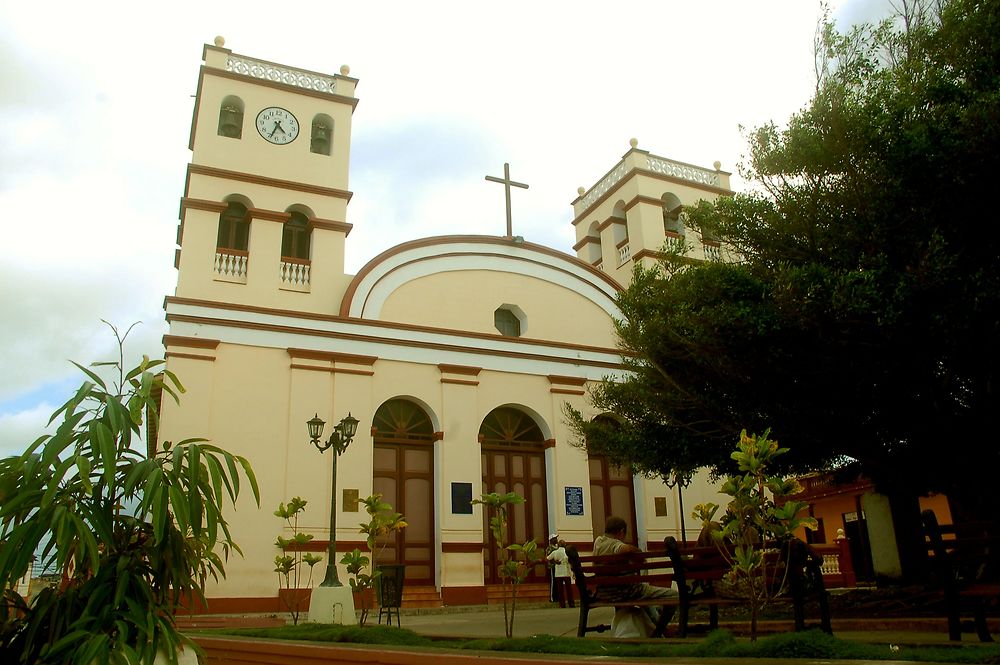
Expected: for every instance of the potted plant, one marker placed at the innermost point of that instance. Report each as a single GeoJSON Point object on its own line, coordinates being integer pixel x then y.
{"type": "Point", "coordinates": [382, 522]}
{"type": "Point", "coordinates": [294, 565]}
{"type": "Point", "coordinates": [132, 536]}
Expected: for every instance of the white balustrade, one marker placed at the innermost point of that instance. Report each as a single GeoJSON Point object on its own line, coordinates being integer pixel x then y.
{"type": "Point", "coordinates": [606, 183]}
{"type": "Point", "coordinates": [684, 171]}
{"type": "Point", "coordinates": [655, 164]}
{"type": "Point", "coordinates": [295, 275]}
{"type": "Point", "coordinates": [624, 254]}
{"type": "Point", "coordinates": [831, 564]}
{"type": "Point", "coordinates": [713, 253]}
{"type": "Point", "coordinates": [280, 74]}
{"type": "Point", "coordinates": [231, 266]}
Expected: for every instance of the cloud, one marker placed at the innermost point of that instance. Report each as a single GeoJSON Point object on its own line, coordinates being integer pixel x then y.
{"type": "Point", "coordinates": [101, 100]}
{"type": "Point", "coordinates": [21, 429]}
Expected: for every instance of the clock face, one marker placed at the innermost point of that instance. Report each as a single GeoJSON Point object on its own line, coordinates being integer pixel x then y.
{"type": "Point", "coordinates": [277, 125]}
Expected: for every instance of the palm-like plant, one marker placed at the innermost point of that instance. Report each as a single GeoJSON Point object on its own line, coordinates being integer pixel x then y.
{"type": "Point", "coordinates": [133, 536]}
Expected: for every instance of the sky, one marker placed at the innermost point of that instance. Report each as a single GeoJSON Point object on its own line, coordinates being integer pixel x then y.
{"type": "Point", "coordinates": [96, 100]}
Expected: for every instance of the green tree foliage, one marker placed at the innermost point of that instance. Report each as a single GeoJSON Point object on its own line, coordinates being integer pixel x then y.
{"type": "Point", "coordinates": [862, 318]}
{"type": "Point", "coordinates": [514, 560]}
{"type": "Point", "coordinates": [754, 522]}
{"type": "Point", "coordinates": [132, 536]}
{"type": "Point", "coordinates": [382, 522]}
{"type": "Point", "coordinates": [293, 565]}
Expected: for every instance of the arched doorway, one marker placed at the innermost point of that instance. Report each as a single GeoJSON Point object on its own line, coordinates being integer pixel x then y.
{"type": "Point", "coordinates": [612, 491]}
{"type": "Point", "coordinates": [403, 473]}
{"type": "Point", "coordinates": [513, 460]}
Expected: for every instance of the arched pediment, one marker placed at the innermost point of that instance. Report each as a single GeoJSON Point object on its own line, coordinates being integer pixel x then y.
{"type": "Point", "coordinates": [382, 276]}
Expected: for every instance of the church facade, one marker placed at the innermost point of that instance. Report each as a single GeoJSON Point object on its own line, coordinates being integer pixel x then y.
{"type": "Point", "coordinates": [456, 354]}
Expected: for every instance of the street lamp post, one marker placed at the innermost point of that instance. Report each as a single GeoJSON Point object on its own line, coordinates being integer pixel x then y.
{"type": "Point", "coordinates": [339, 439]}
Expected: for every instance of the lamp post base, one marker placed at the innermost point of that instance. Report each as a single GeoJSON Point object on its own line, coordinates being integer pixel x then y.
{"type": "Point", "coordinates": [332, 604]}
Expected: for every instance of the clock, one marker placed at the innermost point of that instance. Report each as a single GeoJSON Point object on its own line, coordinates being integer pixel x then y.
{"type": "Point", "coordinates": [277, 125]}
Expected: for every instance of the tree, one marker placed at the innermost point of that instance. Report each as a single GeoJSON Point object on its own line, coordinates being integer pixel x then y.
{"type": "Point", "coordinates": [754, 524]}
{"type": "Point", "coordinates": [514, 560]}
{"type": "Point", "coordinates": [132, 536]}
{"type": "Point", "coordinates": [861, 321]}
{"type": "Point", "coordinates": [383, 523]}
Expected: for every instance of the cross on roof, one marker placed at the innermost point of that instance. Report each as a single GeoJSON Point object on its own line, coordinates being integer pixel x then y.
{"type": "Point", "coordinates": [507, 184]}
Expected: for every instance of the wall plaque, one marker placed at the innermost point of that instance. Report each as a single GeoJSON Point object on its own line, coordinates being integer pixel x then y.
{"type": "Point", "coordinates": [350, 501]}
{"type": "Point", "coordinates": [461, 498]}
{"type": "Point", "coordinates": [660, 505]}
{"type": "Point", "coordinates": [574, 500]}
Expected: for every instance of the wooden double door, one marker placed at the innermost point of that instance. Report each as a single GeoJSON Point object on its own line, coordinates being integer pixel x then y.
{"type": "Point", "coordinates": [403, 473]}
{"type": "Point", "coordinates": [611, 493]}
{"type": "Point", "coordinates": [513, 460]}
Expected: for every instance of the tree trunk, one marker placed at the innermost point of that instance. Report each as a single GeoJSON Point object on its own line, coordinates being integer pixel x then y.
{"type": "Point", "coordinates": [909, 536]}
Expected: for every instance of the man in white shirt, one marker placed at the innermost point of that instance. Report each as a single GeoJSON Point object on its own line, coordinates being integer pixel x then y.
{"type": "Point", "coordinates": [611, 542]}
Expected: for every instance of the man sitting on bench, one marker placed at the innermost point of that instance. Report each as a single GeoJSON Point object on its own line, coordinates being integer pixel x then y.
{"type": "Point", "coordinates": [611, 542]}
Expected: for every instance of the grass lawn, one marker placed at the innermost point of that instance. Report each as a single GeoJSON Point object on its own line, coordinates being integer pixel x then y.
{"type": "Point", "coordinates": [810, 644]}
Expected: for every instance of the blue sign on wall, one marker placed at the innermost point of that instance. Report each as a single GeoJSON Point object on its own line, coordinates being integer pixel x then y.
{"type": "Point", "coordinates": [574, 500]}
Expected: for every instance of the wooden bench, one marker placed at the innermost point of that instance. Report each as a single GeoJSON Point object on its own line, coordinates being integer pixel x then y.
{"type": "Point", "coordinates": [699, 573]}
{"type": "Point", "coordinates": [695, 571]}
{"type": "Point", "coordinates": [965, 566]}
{"type": "Point", "coordinates": [591, 572]}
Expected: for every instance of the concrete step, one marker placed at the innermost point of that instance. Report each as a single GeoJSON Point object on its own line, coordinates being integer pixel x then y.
{"type": "Point", "coordinates": [196, 622]}
{"type": "Point", "coordinates": [530, 592]}
{"type": "Point", "coordinates": [421, 596]}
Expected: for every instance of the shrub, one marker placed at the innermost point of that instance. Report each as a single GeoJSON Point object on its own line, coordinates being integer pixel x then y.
{"type": "Point", "coordinates": [132, 536]}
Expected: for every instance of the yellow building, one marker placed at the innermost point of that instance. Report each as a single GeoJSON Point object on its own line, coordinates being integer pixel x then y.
{"type": "Point", "coordinates": [455, 353]}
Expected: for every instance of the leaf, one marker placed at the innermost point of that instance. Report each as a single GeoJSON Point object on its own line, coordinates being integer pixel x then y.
{"type": "Point", "coordinates": [179, 506]}
{"type": "Point", "coordinates": [98, 381]}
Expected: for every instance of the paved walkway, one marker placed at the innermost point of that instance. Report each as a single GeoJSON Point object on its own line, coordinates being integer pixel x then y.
{"type": "Point", "coordinates": [489, 622]}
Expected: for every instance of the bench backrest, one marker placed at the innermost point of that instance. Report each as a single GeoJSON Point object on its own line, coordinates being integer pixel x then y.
{"type": "Point", "coordinates": [792, 567]}
{"type": "Point", "coordinates": [609, 570]}
{"type": "Point", "coordinates": [962, 553]}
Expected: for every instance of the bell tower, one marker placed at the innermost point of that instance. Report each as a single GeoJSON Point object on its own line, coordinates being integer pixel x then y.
{"type": "Point", "coordinates": [263, 219]}
{"type": "Point", "coordinates": [636, 211]}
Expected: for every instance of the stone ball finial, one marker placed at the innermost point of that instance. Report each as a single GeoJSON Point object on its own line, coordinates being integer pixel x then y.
{"type": "Point", "coordinates": [345, 70]}
{"type": "Point", "coordinates": [581, 191]}
{"type": "Point", "coordinates": [220, 41]}
{"type": "Point", "coordinates": [633, 142]}
{"type": "Point", "coordinates": [717, 164]}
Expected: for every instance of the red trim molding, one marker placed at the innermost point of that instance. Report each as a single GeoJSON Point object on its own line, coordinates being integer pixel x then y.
{"type": "Point", "coordinates": [464, 595]}
{"type": "Point", "coordinates": [323, 545]}
{"type": "Point", "coordinates": [611, 220]}
{"type": "Point", "coordinates": [460, 369]}
{"type": "Point", "coordinates": [213, 172]}
{"type": "Point", "coordinates": [189, 356]}
{"type": "Point", "coordinates": [190, 342]}
{"type": "Point", "coordinates": [331, 225]}
{"type": "Point", "coordinates": [462, 548]}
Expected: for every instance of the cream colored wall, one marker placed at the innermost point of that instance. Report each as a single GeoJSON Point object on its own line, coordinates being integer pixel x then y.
{"type": "Point", "coordinates": [251, 153]}
{"type": "Point", "coordinates": [250, 401]}
{"type": "Point", "coordinates": [569, 469]}
{"type": "Point", "coordinates": [466, 300]}
{"type": "Point", "coordinates": [196, 275]}
{"type": "Point", "coordinates": [240, 402]}
{"type": "Point", "coordinates": [265, 197]}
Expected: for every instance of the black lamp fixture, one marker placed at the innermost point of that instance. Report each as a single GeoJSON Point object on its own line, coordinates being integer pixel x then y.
{"type": "Point", "coordinates": [341, 437]}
